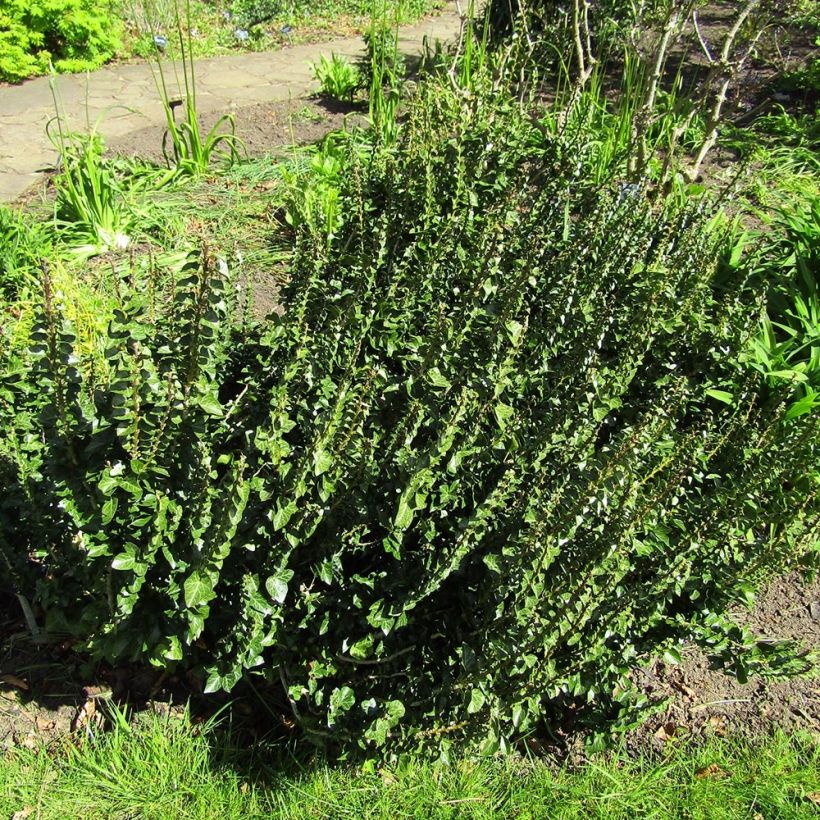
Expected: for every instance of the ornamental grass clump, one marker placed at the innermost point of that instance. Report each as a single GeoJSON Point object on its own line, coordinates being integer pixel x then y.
{"type": "Point", "coordinates": [500, 444]}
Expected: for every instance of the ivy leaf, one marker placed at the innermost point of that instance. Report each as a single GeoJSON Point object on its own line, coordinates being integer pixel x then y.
{"type": "Point", "coordinates": [322, 461]}
{"type": "Point", "coordinates": [283, 514]}
{"type": "Point", "coordinates": [213, 684]}
{"type": "Point", "coordinates": [514, 331]}
{"type": "Point", "coordinates": [672, 656]}
{"type": "Point", "coordinates": [437, 379]}
{"type": "Point", "coordinates": [277, 585]}
{"type": "Point", "coordinates": [107, 485]}
{"type": "Point", "coordinates": [342, 700]}
{"type": "Point", "coordinates": [124, 561]}
{"type": "Point", "coordinates": [477, 701]}
{"type": "Point", "coordinates": [503, 413]}
{"type": "Point", "coordinates": [174, 650]}
{"type": "Point", "coordinates": [109, 509]}
{"type": "Point", "coordinates": [199, 589]}
{"type": "Point", "coordinates": [404, 515]}
{"type": "Point", "coordinates": [210, 404]}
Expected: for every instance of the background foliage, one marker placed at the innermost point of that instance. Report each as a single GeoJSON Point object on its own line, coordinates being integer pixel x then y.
{"type": "Point", "coordinates": [71, 35]}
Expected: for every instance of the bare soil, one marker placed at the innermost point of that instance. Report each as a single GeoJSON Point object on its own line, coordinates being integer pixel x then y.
{"type": "Point", "coordinates": [262, 128]}
{"type": "Point", "coordinates": [703, 701]}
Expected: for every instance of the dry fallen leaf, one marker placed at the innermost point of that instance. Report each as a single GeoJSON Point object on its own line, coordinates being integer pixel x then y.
{"type": "Point", "coordinates": [684, 689]}
{"type": "Point", "coordinates": [814, 797]}
{"type": "Point", "coordinates": [13, 680]}
{"type": "Point", "coordinates": [97, 692]}
{"type": "Point", "coordinates": [666, 731]}
{"type": "Point", "coordinates": [86, 718]}
{"type": "Point", "coordinates": [23, 813]}
{"type": "Point", "coordinates": [717, 723]}
{"type": "Point", "coordinates": [712, 770]}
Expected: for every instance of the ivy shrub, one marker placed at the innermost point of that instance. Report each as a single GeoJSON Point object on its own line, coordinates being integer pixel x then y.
{"type": "Point", "coordinates": [71, 35]}
{"type": "Point", "coordinates": [501, 442]}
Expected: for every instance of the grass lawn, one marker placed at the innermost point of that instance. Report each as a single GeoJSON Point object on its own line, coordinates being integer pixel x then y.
{"type": "Point", "coordinates": [167, 768]}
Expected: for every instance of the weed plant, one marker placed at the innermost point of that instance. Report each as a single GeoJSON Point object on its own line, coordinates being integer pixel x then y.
{"type": "Point", "coordinates": [91, 202]}
{"type": "Point", "coordinates": [337, 77]}
{"type": "Point", "coordinates": [21, 245]}
{"type": "Point", "coordinates": [788, 349]}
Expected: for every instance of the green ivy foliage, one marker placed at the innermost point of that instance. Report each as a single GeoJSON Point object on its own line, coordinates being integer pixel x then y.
{"type": "Point", "coordinates": [499, 445]}
{"type": "Point", "coordinates": [71, 35]}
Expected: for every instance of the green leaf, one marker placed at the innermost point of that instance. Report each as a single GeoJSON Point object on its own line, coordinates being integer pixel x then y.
{"type": "Point", "coordinates": [514, 331]}
{"type": "Point", "coordinates": [803, 406]}
{"type": "Point", "coordinates": [213, 684]}
{"type": "Point", "coordinates": [322, 461]}
{"type": "Point", "coordinates": [199, 589]}
{"type": "Point", "coordinates": [277, 585]}
{"type": "Point", "coordinates": [437, 379]}
{"type": "Point", "coordinates": [721, 395]}
{"type": "Point", "coordinates": [109, 509]}
{"type": "Point", "coordinates": [342, 700]}
{"type": "Point", "coordinates": [283, 514]}
{"type": "Point", "coordinates": [672, 656]}
{"type": "Point", "coordinates": [124, 561]}
{"type": "Point", "coordinates": [173, 652]}
{"type": "Point", "coordinates": [477, 701]}
{"type": "Point", "coordinates": [404, 514]}
{"type": "Point", "coordinates": [108, 484]}
{"type": "Point", "coordinates": [503, 413]}
{"type": "Point", "coordinates": [210, 404]}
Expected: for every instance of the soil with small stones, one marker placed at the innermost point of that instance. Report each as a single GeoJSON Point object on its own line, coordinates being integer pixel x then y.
{"type": "Point", "coordinates": [262, 128]}
{"type": "Point", "coordinates": [701, 700]}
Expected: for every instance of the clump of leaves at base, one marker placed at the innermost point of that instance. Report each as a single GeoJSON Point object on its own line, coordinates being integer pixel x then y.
{"type": "Point", "coordinates": [500, 443]}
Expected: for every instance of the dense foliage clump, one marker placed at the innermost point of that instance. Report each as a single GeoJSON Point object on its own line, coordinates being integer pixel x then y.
{"type": "Point", "coordinates": [505, 437]}
{"type": "Point", "coordinates": [71, 35]}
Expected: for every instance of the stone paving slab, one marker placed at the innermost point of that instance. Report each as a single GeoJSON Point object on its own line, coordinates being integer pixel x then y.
{"type": "Point", "coordinates": [124, 98]}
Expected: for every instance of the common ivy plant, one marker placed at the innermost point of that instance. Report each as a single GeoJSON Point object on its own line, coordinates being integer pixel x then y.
{"type": "Point", "coordinates": [499, 444]}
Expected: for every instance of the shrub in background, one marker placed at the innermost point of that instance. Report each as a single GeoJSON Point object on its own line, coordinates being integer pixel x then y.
{"type": "Point", "coordinates": [73, 35]}
{"type": "Point", "coordinates": [501, 444]}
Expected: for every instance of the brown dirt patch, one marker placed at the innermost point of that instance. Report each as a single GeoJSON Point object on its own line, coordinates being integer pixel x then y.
{"type": "Point", "coordinates": [703, 701]}
{"type": "Point", "coordinates": [262, 128]}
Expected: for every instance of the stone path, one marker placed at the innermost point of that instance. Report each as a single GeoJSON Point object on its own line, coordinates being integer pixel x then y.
{"type": "Point", "coordinates": [124, 98]}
